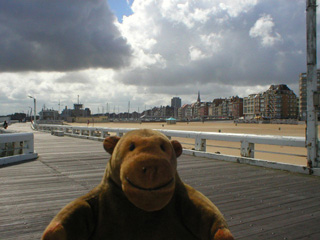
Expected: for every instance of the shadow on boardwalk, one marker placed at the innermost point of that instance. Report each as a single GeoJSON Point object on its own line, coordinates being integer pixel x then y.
{"type": "Point", "coordinates": [258, 203]}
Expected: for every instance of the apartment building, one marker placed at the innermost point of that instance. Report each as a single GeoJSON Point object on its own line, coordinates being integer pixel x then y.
{"type": "Point", "coordinates": [236, 107]}
{"type": "Point", "coordinates": [259, 105]}
{"type": "Point", "coordinates": [226, 108]}
{"type": "Point", "coordinates": [280, 102]}
{"type": "Point", "coordinates": [176, 104]}
{"type": "Point", "coordinates": [216, 108]}
{"type": "Point", "coordinates": [185, 112]}
{"type": "Point", "coordinates": [248, 106]}
{"type": "Point", "coordinates": [303, 94]}
{"type": "Point", "coordinates": [204, 110]}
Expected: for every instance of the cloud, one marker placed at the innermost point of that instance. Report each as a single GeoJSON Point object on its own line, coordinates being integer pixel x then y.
{"type": "Point", "coordinates": [74, 78]}
{"type": "Point", "coordinates": [235, 8]}
{"type": "Point", "coordinates": [174, 47]}
{"type": "Point", "coordinates": [263, 28]}
{"type": "Point", "coordinates": [59, 36]}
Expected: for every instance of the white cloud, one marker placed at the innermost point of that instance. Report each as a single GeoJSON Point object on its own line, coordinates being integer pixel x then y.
{"type": "Point", "coordinates": [234, 8]}
{"type": "Point", "coordinates": [264, 29]}
{"type": "Point", "coordinates": [196, 54]}
{"type": "Point", "coordinates": [187, 13]}
{"type": "Point", "coordinates": [212, 42]}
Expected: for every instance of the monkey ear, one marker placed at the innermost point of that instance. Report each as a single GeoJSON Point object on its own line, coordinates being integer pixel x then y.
{"type": "Point", "coordinates": [109, 143]}
{"type": "Point", "coordinates": [177, 147]}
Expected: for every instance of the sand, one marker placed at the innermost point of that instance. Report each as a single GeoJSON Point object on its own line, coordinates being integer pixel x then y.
{"type": "Point", "coordinates": [230, 127]}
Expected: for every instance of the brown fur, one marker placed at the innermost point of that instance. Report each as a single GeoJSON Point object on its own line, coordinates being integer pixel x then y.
{"type": "Point", "coordinates": [140, 197]}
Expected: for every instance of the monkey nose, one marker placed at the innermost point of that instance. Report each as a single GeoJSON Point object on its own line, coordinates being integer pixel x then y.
{"type": "Point", "coordinates": [150, 172]}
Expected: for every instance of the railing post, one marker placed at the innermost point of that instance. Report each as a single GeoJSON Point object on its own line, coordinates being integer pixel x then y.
{"type": "Point", "coordinates": [247, 149]}
{"type": "Point", "coordinates": [16, 148]}
{"type": "Point", "coordinates": [29, 145]}
{"type": "Point", "coordinates": [200, 144]}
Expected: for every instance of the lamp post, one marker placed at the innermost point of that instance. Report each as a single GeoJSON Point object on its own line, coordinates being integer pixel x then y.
{"type": "Point", "coordinates": [29, 113]}
{"type": "Point", "coordinates": [35, 109]}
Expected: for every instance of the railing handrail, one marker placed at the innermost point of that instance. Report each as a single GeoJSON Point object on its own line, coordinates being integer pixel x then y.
{"type": "Point", "coordinates": [292, 141]}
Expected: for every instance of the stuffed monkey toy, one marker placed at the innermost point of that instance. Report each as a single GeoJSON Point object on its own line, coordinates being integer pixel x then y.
{"type": "Point", "coordinates": [141, 197]}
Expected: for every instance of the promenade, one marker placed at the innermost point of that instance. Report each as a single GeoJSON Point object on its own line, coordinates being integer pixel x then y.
{"type": "Point", "coordinates": [258, 203]}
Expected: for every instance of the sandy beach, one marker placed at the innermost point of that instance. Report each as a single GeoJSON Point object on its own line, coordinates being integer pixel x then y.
{"type": "Point", "coordinates": [230, 127]}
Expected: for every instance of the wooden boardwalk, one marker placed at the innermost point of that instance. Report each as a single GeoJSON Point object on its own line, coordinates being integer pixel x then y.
{"type": "Point", "coordinates": [258, 203]}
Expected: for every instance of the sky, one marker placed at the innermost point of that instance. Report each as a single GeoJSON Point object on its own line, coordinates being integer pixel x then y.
{"type": "Point", "coordinates": [112, 52]}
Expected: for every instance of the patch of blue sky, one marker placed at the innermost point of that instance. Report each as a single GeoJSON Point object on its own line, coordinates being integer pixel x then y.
{"type": "Point", "coordinates": [121, 8]}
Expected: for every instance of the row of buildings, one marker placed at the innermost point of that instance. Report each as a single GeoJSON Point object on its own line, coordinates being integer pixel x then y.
{"type": "Point", "coordinates": [67, 114]}
{"type": "Point", "coordinates": [277, 102]}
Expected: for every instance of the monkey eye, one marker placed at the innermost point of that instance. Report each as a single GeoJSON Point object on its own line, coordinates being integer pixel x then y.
{"type": "Point", "coordinates": [132, 147]}
{"type": "Point", "coordinates": [162, 147]}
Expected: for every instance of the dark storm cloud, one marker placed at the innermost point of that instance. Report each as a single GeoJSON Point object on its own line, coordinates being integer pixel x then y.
{"type": "Point", "coordinates": [59, 35]}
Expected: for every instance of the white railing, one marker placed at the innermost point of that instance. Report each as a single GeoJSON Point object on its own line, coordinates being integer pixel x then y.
{"type": "Point", "coordinates": [16, 147]}
{"type": "Point", "coordinates": [247, 143]}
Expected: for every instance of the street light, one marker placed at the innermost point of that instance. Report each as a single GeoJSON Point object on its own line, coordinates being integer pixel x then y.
{"type": "Point", "coordinates": [35, 109]}
{"type": "Point", "coordinates": [30, 112]}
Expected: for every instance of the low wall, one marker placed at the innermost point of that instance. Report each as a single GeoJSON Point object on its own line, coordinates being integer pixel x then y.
{"type": "Point", "coordinates": [16, 147]}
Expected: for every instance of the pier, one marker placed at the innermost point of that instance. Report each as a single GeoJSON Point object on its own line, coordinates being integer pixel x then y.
{"type": "Point", "coordinates": [258, 202]}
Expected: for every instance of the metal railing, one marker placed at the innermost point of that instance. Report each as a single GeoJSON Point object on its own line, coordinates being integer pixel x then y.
{"type": "Point", "coordinates": [16, 147]}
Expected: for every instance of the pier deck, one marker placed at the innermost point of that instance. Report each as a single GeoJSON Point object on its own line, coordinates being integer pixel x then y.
{"type": "Point", "coordinates": [258, 203]}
